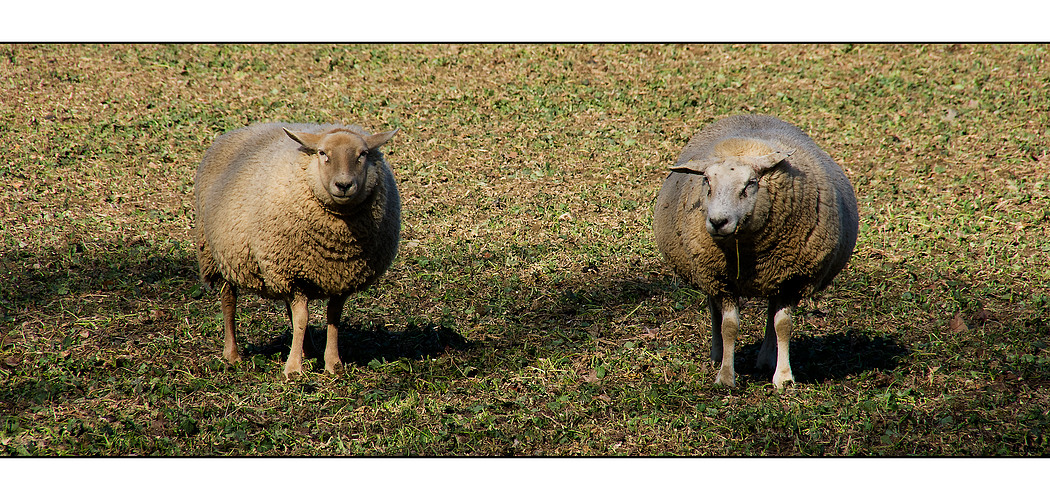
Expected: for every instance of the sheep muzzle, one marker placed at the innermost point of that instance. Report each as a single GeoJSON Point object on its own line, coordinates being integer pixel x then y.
{"type": "Point", "coordinates": [344, 190]}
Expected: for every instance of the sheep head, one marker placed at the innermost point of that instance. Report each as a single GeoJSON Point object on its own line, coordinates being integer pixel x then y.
{"type": "Point", "coordinates": [345, 161]}
{"type": "Point", "coordinates": [737, 204]}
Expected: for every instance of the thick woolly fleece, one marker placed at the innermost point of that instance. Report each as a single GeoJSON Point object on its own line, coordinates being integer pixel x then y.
{"type": "Point", "coordinates": [261, 226]}
{"type": "Point", "coordinates": [809, 207]}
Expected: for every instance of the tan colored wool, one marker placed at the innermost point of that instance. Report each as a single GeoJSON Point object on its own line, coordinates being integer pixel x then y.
{"type": "Point", "coordinates": [266, 224]}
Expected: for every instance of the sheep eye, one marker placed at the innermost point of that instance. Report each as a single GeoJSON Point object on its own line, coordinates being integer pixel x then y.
{"type": "Point", "coordinates": [323, 155]}
{"type": "Point", "coordinates": [750, 183]}
{"type": "Point", "coordinates": [363, 154]}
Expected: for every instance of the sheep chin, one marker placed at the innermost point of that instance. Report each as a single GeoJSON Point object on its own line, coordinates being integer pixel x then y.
{"type": "Point", "coordinates": [345, 204]}
{"type": "Point", "coordinates": [720, 237]}
{"type": "Point", "coordinates": [342, 200]}
{"type": "Point", "coordinates": [723, 232]}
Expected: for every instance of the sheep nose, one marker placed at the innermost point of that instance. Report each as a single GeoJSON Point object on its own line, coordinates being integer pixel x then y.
{"type": "Point", "coordinates": [347, 188]}
{"type": "Point", "coordinates": [719, 226]}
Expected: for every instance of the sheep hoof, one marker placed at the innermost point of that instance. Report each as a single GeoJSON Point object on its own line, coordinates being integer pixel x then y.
{"type": "Point", "coordinates": [727, 379]}
{"type": "Point", "coordinates": [336, 368]}
{"type": "Point", "coordinates": [781, 379]}
{"type": "Point", "coordinates": [232, 357]}
{"type": "Point", "coordinates": [291, 374]}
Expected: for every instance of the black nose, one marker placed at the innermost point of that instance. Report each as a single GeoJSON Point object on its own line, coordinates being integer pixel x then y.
{"type": "Point", "coordinates": [346, 188]}
{"type": "Point", "coordinates": [718, 223]}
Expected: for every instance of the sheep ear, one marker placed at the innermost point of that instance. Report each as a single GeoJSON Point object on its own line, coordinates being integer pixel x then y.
{"type": "Point", "coordinates": [305, 139]}
{"type": "Point", "coordinates": [693, 166]}
{"type": "Point", "coordinates": [375, 140]}
{"type": "Point", "coordinates": [766, 162]}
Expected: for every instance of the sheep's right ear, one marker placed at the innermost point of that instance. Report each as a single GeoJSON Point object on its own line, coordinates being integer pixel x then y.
{"type": "Point", "coordinates": [692, 167]}
{"type": "Point", "coordinates": [305, 139]}
{"type": "Point", "coordinates": [766, 162]}
{"type": "Point", "coordinates": [375, 140]}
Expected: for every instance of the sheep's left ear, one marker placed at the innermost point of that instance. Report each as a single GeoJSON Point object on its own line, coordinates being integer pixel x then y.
{"type": "Point", "coordinates": [766, 162]}
{"type": "Point", "coordinates": [305, 139]}
{"type": "Point", "coordinates": [375, 140]}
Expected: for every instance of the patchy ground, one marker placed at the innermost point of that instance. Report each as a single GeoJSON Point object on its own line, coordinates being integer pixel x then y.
{"type": "Point", "coordinates": [528, 312]}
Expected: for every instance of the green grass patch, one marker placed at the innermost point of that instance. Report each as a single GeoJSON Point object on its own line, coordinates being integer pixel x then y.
{"type": "Point", "coordinates": [529, 312]}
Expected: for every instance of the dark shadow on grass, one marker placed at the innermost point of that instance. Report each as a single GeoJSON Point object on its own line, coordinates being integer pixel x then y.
{"type": "Point", "coordinates": [833, 356]}
{"type": "Point", "coordinates": [615, 293]}
{"type": "Point", "coordinates": [125, 272]}
{"type": "Point", "coordinates": [78, 279]}
{"type": "Point", "coordinates": [814, 358]}
{"type": "Point", "coordinates": [122, 269]}
{"type": "Point", "coordinates": [360, 345]}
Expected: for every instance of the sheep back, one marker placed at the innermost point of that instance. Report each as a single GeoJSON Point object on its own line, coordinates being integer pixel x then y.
{"type": "Point", "coordinates": [261, 227]}
{"type": "Point", "coordinates": [811, 210]}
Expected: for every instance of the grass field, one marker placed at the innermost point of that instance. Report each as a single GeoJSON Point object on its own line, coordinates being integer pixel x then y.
{"type": "Point", "coordinates": [529, 311]}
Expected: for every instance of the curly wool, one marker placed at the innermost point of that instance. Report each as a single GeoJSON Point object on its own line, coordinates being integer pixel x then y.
{"type": "Point", "coordinates": [807, 239]}
{"type": "Point", "coordinates": [261, 227]}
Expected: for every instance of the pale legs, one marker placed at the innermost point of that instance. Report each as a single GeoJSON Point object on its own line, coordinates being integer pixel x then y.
{"type": "Point", "coordinates": [300, 318]}
{"type": "Point", "coordinates": [725, 325]}
{"type": "Point", "coordinates": [779, 324]}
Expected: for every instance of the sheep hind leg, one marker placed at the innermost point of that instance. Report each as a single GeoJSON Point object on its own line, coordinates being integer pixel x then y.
{"type": "Point", "coordinates": [767, 354]}
{"type": "Point", "coordinates": [293, 367]}
{"type": "Point", "coordinates": [228, 301]}
{"type": "Point", "coordinates": [332, 363]}
{"type": "Point", "coordinates": [730, 322]}
{"type": "Point", "coordinates": [714, 306]}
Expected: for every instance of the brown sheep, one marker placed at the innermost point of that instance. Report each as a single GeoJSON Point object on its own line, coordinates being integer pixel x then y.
{"type": "Point", "coordinates": [295, 212]}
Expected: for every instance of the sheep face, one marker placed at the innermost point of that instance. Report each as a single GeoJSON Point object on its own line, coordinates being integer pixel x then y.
{"type": "Point", "coordinates": [345, 163]}
{"type": "Point", "coordinates": [736, 202]}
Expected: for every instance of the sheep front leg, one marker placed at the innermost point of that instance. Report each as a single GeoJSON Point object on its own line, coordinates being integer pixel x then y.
{"type": "Point", "coordinates": [774, 351]}
{"type": "Point", "coordinates": [730, 319]}
{"type": "Point", "coordinates": [228, 300]}
{"type": "Point", "coordinates": [783, 323]}
{"type": "Point", "coordinates": [332, 363]}
{"type": "Point", "coordinates": [300, 319]}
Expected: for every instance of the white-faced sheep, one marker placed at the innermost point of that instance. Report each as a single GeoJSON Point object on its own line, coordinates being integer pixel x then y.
{"type": "Point", "coordinates": [295, 212]}
{"type": "Point", "coordinates": [754, 208]}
